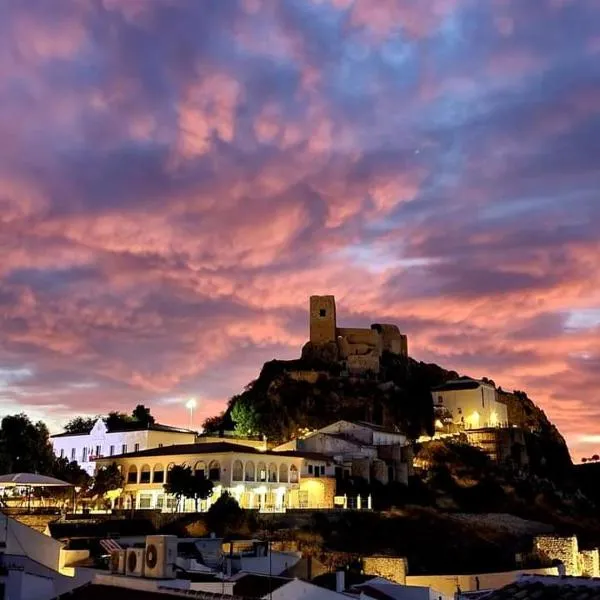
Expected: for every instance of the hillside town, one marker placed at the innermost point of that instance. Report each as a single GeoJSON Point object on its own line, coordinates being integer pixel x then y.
{"type": "Point", "coordinates": [157, 510]}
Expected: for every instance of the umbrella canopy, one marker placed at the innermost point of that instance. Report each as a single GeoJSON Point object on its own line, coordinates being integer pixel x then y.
{"type": "Point", "coordinates": [30, 480]}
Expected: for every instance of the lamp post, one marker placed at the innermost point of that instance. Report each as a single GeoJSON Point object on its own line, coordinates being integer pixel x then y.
{"type": "Point", "coordinates": [191, 405]}
{"type": "Point", "coordinates": [76, 491]}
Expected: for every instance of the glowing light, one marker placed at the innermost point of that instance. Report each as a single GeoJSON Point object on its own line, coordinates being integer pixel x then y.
{"type": "Point", "coordinates": [191, 403]}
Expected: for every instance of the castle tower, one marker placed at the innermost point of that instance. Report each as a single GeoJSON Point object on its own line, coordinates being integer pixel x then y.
{"type": "Point", "coordinates": [322, 319]}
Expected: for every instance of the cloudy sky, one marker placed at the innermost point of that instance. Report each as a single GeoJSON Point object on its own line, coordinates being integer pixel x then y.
{"type": "Point", "coordinates": [178, 176]}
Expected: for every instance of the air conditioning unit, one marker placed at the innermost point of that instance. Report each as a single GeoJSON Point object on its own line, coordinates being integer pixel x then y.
{"type": "Point", "coordinates": [134, 563]}
{"type": "Point", "coordinates": [118, 559]}
{"type": "Point", "coordinates": [161, 552]}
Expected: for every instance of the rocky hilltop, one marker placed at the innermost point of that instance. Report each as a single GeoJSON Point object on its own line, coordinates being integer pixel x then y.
{"type": "Point", "coordinates": [311, 392]}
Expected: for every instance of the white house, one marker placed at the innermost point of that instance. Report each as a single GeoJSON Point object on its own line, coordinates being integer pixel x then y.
{"type": "Point", "coordinates": [470, 403]}
{"type": "Point", "coordinates": [360, 449]}
{"type": "Point", "coordinates": [100, 441]}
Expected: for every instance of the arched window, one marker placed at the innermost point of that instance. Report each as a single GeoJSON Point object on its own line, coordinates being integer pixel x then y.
{"type": "Point", "coordinates": [171, 465]}
{"type": "Point", "coordinates": [200, 469]}
{"type": "Point", "coordinates": [158, 475]}
{"type": "Point", "coordinates": [237, 474]}
{"type": "Point", "coordinates": [132, 474]}
{"type": "Point", "coordinates": [293, 474]}
{"type": "Point", "coordinates": [273, 472]}
{"type": "Point", "coordinates": [145, 474]}
{"type": "Point", "coordinates": [250, 471]}
{"type": "Point", "coordinates": [262, 472]}
{"type": "Point", "coordinates": [283, 473]}
{"type": "Point", "coordinates": [214, 471]}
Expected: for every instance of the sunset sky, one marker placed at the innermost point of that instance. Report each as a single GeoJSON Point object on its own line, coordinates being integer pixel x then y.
{"type": "Point", "coordinates": [178, 176]}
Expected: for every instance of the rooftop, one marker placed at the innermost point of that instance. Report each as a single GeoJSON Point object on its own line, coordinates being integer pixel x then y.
{"type": "Point", "coordinates": [131, 426]}
{"type": "Point", "coordinates": [464, 383]}
{"type": "Point", "coordinates": [215, 448]}
{"type": "Point", "coordinates": [548, 588]}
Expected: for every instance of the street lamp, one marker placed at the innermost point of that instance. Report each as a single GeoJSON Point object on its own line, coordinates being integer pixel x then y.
{"type": "Point", "coordinates": [191, 405]}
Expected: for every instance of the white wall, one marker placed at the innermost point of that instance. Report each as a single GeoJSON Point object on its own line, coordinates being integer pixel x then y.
{"type": "Point", "coordinates": [477, 407]}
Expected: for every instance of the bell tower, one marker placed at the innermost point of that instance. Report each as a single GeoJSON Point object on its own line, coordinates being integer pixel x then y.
{"type": "Point", "coordinates": [322, 319]}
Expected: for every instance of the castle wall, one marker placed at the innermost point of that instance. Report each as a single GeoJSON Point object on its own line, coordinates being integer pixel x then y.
{"type": "Point", "coordinates": [322, 319]}
{"type": "Point", "coordinates": [590, 562]}
{"type": "Point", "coordinates": [563, 549]}
{"type": "Point", "coordinates": [388, 567]}
{"type": "Point", "coordinates": [391, 339]}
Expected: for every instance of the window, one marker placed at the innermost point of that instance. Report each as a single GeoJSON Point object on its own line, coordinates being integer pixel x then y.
{"type": "Point", "coordinates": [237, 474]}
{"type": "Point", "coordinates": [250, 471]}
{"type": "Point", "coordinates": [310, 470]}
{"type": "Point", "coordinates": [112, 450]}
{"type": "Point", "coordinates": [136, 448]}
{"type": "Point", "coordinates": [273, 473]}
{"type": "Point", "coordinates": [159, 474]}
{"type": "Point", "coordinates": [124, 449]}
{"type": "Point", "coordinates": [200, 469]}
{"type": "Point", "coordinates": [84, 455]}
{"type": "Point", "coordinates": [98, 450]}
{"type": "Point", "coordinates": [322, 469]}
{"type": "Point", "coordinates": [262, 471]}
{"type": "Point", "coordinates": [214, 471]}
{"type": "Point", "coordinates": [145, 474]}
{"type": "Point", "coordinates": [62, 452]}
{"type": "Point", "coordinates": [72, 453]}
{"type": "Point", "coordinates": [293, 474]}
{"type": "Point", "coordinates": [283, 473]}
{"type": "Point", "coordinates": [160, 501]}
{"type": "Point", "coordinates": [160, 445]}
{"type": "Point", "coordinates": [322, 313]}
{"type": "Point", "coordinates": [145, 501]}
{"type": "Point", "coordinates": [440, 400]}
{"type": "Point", "coordinates": [132, 474]}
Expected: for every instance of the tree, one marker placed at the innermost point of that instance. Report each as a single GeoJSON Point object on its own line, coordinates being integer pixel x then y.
{"type": "Point", "coordinates": [107, 479]}
{"type": "Point", "coordinates": [245, 416]}
{"type": "Point", "coordinates": [182, 482]}
{"type": "Point", "coordinates": [115, 420]}
{"type": "Point", "coordinates": [142, 415]}
{"type": "Point", "coordinates": [25, 446]}
{"type": "Point", "coordinates": [225, 515]}
{"type": "Point", "coordinates": [70, 472]}
{"type": "Point", "coordinates": [80, 424]}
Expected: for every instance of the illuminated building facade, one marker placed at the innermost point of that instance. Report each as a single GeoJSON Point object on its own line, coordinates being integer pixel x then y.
{"type": "Point", "coordinates": [470, 404]}
{"type": "Point", "coordinates": [262, 480]}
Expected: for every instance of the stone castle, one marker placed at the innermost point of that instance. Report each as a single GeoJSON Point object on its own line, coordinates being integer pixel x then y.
{"type": "Point", "coordinates": [356, 350]}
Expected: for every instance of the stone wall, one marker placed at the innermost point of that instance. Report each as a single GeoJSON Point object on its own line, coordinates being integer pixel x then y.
{"type": "Point", "coordinates": [561, 548]}
{"type": "Point", "coordinates": [388, 567]}
{"type": "Point", "coordinates": [590, 562]}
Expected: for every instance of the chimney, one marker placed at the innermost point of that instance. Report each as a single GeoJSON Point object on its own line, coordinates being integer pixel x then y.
{"type": "Point", "coordinates": [340, 581]}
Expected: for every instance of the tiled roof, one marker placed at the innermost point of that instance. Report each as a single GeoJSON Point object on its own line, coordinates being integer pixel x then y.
{"type": "Point", "coordinates": [132, 426]}
{"type": "Point", "coordinates": [548, 588]}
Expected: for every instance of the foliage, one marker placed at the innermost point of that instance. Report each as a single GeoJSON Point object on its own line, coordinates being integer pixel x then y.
{"type": "Point", "coordinates": [141, 414]}
{"type": "Point", "coordinates": [25, 446]}
{"type": "Point", "coordinates": [184, 483]}
{"type": "Point", "coordinates": [245, 416]}
{"type": "Point", "coordinates": [80, 424]}
{"type": "Point", "coordinates": [116, 420]}
{"type": "Point", "coordinates": [225, 515]}
{"type": "Point", "coordinates": [70, 472]}
{"type": "Point", "coordinates": [107, 479]}
{"type": "Point", "coordinates": [215, 424]}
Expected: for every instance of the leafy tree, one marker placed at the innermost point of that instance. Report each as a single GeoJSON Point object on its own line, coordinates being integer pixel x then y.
{"type": "Point", "coordinates": [70, 472]}
{"type": "Point", "coordinates": [80, 424]}
{"type": "Point", "coordinates": [184, 483]}
{"type": "Point", "coordinates": [214, 424]}
{"type": "Point", "coordinates": [245, 416]}
{"type": "Point", "coordinates": [225, 515]}
{"type": "Point", "coordinates": [25, 446]}
{"type": "Point", "coordinates": [116, 419]}
{"type": "Point", "coordinates": [142, 415]}
{"type": "Point", "coordinates": [107, 479]}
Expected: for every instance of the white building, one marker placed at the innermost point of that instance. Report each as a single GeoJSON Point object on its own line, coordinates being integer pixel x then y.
{"type": "Point", "coordinates": [470, 403]}
{"type": "Point", "coordinates": [100, 441]}
{"type": "Point", "coordinates": [268, 481]}
{"type": "Point", "coordinates": [359, 449]}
